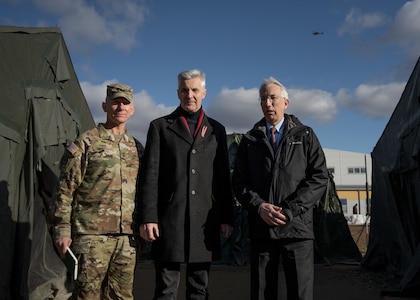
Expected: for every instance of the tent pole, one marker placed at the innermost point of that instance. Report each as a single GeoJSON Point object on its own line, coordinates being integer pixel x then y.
{"type": "Point", "coordinates": [367, 189]}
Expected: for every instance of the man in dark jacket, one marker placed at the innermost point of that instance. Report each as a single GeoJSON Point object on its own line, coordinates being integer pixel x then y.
{"type": "Point", "coordinates": [279, 175]}
{"type": "Point", "coordinates": [185, 198]}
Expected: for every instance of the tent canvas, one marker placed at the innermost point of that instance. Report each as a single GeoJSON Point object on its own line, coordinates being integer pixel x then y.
{"type": "Point", "coordinates": [333, 240]}
{"type": "Point", "coordinates": [394, 243]}
{"type": "Point", "coordinates": [43, 107]}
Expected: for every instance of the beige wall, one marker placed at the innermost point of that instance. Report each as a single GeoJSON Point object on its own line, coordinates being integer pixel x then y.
{"type": "Point", "coordinates": [354, 197]}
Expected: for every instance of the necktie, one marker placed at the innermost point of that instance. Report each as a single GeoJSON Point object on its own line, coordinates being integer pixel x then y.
{"type": "Point", "coordinates": [273, 138]}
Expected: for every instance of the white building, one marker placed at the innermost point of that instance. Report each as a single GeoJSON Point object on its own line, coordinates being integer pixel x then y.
{"type": "Point", "coordinates": [352, 177]}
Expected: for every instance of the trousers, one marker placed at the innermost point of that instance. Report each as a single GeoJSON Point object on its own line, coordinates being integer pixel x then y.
{"type": "Point", "coordinates": [106, 267]}
{"type": "Point", "coordinates": [168, 275]}
{"type": "Point", "coordinates": [297, 257]}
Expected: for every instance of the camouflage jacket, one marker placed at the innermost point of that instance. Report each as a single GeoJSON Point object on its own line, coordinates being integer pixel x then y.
{"type": "Point", "coordinates": [97, 185]}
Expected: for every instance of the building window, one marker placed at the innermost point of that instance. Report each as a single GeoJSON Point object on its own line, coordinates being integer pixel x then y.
{"type": "Point", "coordinates": [344, 204]}
{"type": "Point", "coordinates": [331, 170]}
{"type": "Point", "coordinates": [356, 170]}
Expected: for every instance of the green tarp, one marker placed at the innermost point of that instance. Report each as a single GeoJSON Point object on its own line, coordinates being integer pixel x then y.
{"type": "Point", "coordinates": [333, 240]}
{"type": "Point", "coordinates": [42, 107]}
{"type": "Point", "coordinates": [394, 242]}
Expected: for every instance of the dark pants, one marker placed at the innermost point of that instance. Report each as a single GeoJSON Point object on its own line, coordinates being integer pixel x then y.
{"type": "Point", "coordinates": [297, 257]}
{"type": "Point", "coordinates": [239, 237]}
{"type": "Point", "coordinates": [167, 280]}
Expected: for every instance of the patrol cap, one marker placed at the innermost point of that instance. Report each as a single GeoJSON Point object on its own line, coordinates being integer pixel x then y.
{"type": "Point", "coordinates": [117, 90]}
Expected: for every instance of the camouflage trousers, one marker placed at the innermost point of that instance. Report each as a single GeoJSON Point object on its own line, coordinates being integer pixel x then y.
{"type": "Point", "coordinates": [106, 267]}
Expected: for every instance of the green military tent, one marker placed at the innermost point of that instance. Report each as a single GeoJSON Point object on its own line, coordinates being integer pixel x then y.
{"type": "Point", "coordinates": [333, 241]}
{"type": "Point", "coordinates": [42, 107]}
{"type": "Point", "coordinates": [394, 243]}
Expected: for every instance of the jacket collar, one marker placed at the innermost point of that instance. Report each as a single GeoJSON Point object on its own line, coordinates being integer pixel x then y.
{"type": "Point", "coordinates": [259, 130]}
{"type": "Point", "coordinates": [108, 135]}
{"type": "Point", "coordinates": [178, 126]}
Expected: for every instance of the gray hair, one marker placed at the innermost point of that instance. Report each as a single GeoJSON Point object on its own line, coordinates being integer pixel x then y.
{"type": "Point", "coordinates": [189, 74]}
{"type": "Point", "coordinates": [272, 80]}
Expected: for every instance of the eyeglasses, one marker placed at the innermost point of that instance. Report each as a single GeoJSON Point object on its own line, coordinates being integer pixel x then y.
{"type": "Point", "coordinates": [273, 98]}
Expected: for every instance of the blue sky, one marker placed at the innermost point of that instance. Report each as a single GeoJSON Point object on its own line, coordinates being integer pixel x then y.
{"type": "Point", "coordinates": [345, 83]}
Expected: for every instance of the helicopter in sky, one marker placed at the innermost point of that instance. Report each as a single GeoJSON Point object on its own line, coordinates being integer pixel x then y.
{"type": "Point", "coordinates": [317, 32]}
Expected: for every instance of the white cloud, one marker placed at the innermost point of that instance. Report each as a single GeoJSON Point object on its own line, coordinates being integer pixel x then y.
{"type": "Point", "coordinates": [312, 105]}
{"type": "Point", "coordinates": [405, 30]}
{"type": "Point", "coordinates": [356, 21]}
{"type": "Point", "coordinates": [401, 30]}
{"type": "Point", "coordinates": [377, 101]}
{"type": "Point", "coordinates": [239, 109]}
{"type": "Point", "coordinates": [108, 22]}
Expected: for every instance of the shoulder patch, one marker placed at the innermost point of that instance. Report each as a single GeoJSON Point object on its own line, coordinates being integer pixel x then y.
{"type": "Point", "coordinates": [72, 148]}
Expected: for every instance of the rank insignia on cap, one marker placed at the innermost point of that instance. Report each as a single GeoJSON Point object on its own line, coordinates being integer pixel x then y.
{"type": "Point", "coordinates": [72, 148]}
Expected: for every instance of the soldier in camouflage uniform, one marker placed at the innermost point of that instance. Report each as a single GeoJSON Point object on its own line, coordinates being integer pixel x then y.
{"type": "Point", "coordinates": [95, 201]}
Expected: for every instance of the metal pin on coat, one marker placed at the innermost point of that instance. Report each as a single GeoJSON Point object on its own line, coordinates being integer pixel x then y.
{"type": "Point", "coordinates": [203, 131]}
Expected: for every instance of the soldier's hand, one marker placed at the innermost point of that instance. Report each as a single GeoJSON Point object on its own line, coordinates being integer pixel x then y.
{"type": "Point", "coordinates": [149, 231]}
{"type": "Point", "coordinates": [226, 230]}
{"type": "Point", "coordinates": [62, 244]}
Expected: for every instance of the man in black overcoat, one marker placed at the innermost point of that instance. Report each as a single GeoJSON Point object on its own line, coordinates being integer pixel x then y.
{"type": "Point", "coordinates": [184, 197]}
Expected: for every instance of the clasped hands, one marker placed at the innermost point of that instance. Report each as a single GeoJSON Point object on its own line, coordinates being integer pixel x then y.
{"type": "Point", "coordinates": [272, 214]}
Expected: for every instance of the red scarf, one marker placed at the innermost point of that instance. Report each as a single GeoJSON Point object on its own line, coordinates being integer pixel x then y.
{"type": "Point", "coordinates": [199, 122]}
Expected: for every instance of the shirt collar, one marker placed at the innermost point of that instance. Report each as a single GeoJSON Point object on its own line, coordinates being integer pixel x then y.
{"type": "Point", "coordinates": [278, 125]}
